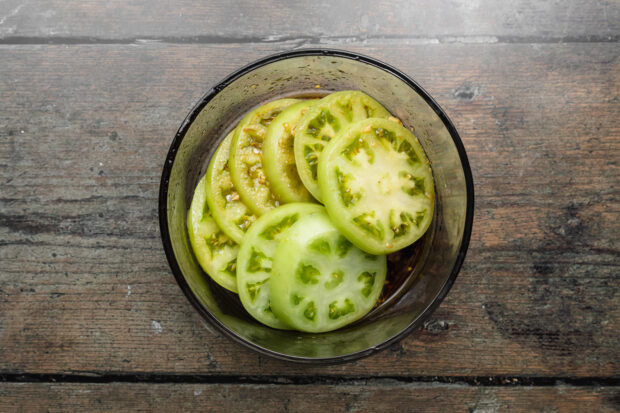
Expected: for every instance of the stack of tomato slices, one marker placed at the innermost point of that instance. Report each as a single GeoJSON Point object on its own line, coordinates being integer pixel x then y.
{"type": "Point", "coordinates": [302, 201]}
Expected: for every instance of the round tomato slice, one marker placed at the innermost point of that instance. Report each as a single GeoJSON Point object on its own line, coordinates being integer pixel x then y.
{"type": "Point", "coordinates": [215, 252]}
{"type": "Point", "coordinates": [320, 281]}
{"type": "Point", "coordinates": [377, 185]}
{"type": "Point", "coordinates": [246, 157]}
{"type": "Point", "coordinates": [230, 213]}
{"type": "Point", "coordinates": [322, 122]}
{"type": "Point", "coordinates": [279, 157]}
{"type": "Point", "coordinates": [256, 255]}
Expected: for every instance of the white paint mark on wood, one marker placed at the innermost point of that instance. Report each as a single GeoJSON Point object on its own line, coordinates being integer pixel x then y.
{"type": "Point", "coordinates": [156, 327]}
{"type": "Point", "coordinates": [11, 13]}
{"type": "Point", "coordinates": [486, 403]}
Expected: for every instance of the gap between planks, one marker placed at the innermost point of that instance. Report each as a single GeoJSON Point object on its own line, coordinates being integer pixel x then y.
{"type": "Point", "coordinates": [484, 381]}
{"type": "Point", "coordinates": [301, 41]}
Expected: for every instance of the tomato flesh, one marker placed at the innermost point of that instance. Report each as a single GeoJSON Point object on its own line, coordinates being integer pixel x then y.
{"type": "Point", "coordinates": [321, 122]}
{"type": "Point", "coordinates": [320, 281]}
{"type": "Point", "coordinates": [256, 255]}
{"type": "Point", "coordinates": [279, 157]}
{"type": "Point", "coordinates": [216, 253]}
{"type": "Point", "coordinates": [246, 158]}
{"type": "Point", "coordinates": [377, 185]}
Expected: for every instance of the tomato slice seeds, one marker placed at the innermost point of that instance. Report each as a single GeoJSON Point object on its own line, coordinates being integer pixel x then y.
{"type": "Point", "coordinates": [230, 213]}
{"type": "Point", "coordinates": [215, 252]}
{"type": "Point", "coordinates": [279, 156]}
{"type": "Point", "coordinates": [246, 157]}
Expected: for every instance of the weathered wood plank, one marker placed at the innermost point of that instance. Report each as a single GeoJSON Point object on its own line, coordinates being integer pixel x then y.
{"type": "Point", "coordinates": [359, 397]}
{"type": "Point", "coordinates": [84, 285]}
{"type": "Point", "coordinates": [316, 21]}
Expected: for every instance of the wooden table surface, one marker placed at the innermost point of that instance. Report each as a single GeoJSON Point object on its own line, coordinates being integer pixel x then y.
{"type": "Point", "coordinates": [91, 94]}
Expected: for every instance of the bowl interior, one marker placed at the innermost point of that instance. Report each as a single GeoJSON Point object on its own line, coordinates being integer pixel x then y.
{"type": "Point", "coordinates": [424, 272]}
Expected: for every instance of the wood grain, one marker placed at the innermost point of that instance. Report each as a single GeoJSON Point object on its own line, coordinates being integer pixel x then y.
{"type": "Point", "coordinates": [359, 397]}
{"type": "Point", "coordinates": [85, 288]}
{"type": "Point", "coordinates": [318, 21]}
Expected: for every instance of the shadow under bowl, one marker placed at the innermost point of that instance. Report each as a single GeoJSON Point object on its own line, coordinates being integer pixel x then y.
{"type": "Point", "coordinates": [420, 276]}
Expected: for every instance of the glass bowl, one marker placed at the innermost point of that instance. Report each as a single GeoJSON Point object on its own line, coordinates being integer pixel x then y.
{"type": "Point", "coordinates": [419, 276]}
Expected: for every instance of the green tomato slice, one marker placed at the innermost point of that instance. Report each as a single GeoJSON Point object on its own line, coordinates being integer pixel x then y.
{"type": "Point", "coordinates": [320, 281]}
{"type": "Point", "coordinates": [322, 122]}
{"type": "Point", "coordinates": [246, 157]}
{"type": "Point", "coordinates": [216, 253]}
{"type": "Point", "coordinates": [279, 157]}
{"type": "Point", "coordinates": [256, 255]}
{"type": "Point", "coordinates": [229, 212]}
{"type": "Point", "coordinates": [377, 185]}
